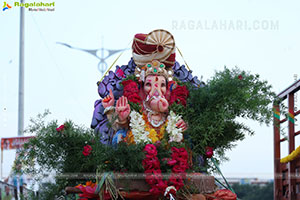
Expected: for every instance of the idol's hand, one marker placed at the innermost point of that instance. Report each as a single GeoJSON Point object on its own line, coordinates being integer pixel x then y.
{"type": "Point", "coordinates": [122, 108]}
{"type": "Point", "coordinates": [181, 124]}
{"type": "Point", "coordinates": [109, 100]}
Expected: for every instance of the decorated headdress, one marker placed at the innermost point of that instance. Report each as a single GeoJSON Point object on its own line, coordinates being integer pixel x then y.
{"type": "Point", "coordinates": [154, 53]}
{"type": "Point", "coordinates": [154, 68]}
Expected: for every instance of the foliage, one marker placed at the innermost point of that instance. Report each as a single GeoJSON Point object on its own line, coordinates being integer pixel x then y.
{"type": "Point", "coordinates": [60, 152]}
{"type": "Point", "coordinates": [135, 106]}
{"type": "Point", "coordinates": [254, 192]}
{"type": "Point", "coordinates": [48, 191]}
{"type": "Point", "coordinates": [212, 111]}
{"type": "Point", "coordinates": [130, 77]}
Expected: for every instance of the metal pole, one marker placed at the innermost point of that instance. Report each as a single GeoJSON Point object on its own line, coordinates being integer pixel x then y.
{"type": "Point", "coordinates": [103, 68]}
{"type": "Point", "coordinates": [1, 163]}
{"type": "Point", "coordinates": [21, 74]}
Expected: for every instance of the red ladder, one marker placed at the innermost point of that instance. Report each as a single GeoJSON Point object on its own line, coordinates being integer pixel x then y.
{"type": "Point", "coordinates": [286, 175]}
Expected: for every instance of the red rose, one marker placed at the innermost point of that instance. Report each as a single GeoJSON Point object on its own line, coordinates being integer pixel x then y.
{"type": "Point", "coordinates": [148, 172]}
{"type": "Point", "coordinates": [183, 153]}
{"type": "Point", "coordinates": [130, 86]}
{"type": "Point", "coordinates": [153, 176]}
{"type": "Point", "coordinates": [60, 128]}
{"type": "Point", "coordinates": [151, 163]}
{"type": "Point", "coordinates": [150, 150]}
{"type": "Point", "coordinates": [240, 77]}
{"type": "Point", "coordinates": [87, 149]}
{"type": "Point", "coordinates": [177, 169]}
{"type": "Point", "coordinates": [179, 95]}
{"type": "Point", "coordinates": [180, 154]}
{"type": "Point", "coordinates": [162, 185]}
{"type": "Point", "coordinates": [150, 179]}
{"type": "Point", "coordinates": [155, 191]}
{"type": "Point", "coordinates": [131, 91]}
{"type": "Point", "coordinates": [176, 181]}
{"type": "Point", "coordinates": [209, 152]}
{"type": "Point", "coordinates": [156, 172]}
{"type": "Point", "coordinates": [184, 165]}
{"type": "Point", "coordinates": [134, 98]}
{"type": "Point", "coordinates": [120, 73]}
{"type": "Point", "coordinates": [175, 152]}
{"type": "Point", "coordinates": [172, 162]}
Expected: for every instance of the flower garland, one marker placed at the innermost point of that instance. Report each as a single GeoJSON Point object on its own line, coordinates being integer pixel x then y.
{"type": "Point", "coordinates": [179, 161]}
{"type": "Point", "coordinates": [153, 134]}
{"type": "Point", "coordinates": [179, 94]}
{"type": "Point", "coordinates": [141, 130]}
{"type": "Point", "coordinates": [175, 133]}
{"type": "Point", "coordinates": [131, 91]}
{"type": "Point", "coordinates": [137, 125]}
{"type": "Point", "coordinates": [151, 164]}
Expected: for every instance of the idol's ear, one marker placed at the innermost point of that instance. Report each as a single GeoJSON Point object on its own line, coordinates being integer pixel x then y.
{"type": "Point", "coordinates": [172, 85]}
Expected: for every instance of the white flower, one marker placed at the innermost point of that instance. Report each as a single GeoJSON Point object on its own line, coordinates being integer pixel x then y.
{"type": "Point", "coordinates": [137, 125]}
{"type": "Point", "coordinates": [176, 136]}
{"type": "Point", "coordinates": [175, 133]}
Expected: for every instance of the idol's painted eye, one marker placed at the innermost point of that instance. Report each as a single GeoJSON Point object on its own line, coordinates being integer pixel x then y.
{"type": "Point", "coordinates": [148, 84]}
{"type": "Point", "coordinates": [163, 85]}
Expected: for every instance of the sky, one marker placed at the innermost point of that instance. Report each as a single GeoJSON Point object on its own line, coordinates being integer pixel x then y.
{"type": "Point", "coordinates": [261, 37]}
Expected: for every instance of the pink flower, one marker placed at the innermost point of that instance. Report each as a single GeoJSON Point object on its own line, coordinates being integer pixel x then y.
{"type": "Point", "coordinates": [162, 185]}
{"type": "Point", "coordinates": [120, 73]}
{"type": "Point", "coordinates": [87, 150]}
{"type": "Point", "coordinates": [88, 192]}
{"type": "Point", "coordinates": [172, 162]}
{"type": "Point", "coordinates": [151, 163]}
{"type": "Point", "coordinates": [155, 191]}
{"type": "Point", "coordinates": [178, 169]}
{"type": "Point", "coordinates": [184, 165]}
{"type": "Point", "coordinates": [183, 154]}
{"type": "Point", "coordinates": [150, 150]}
{"type": "Point", "coordinates": [179, 95]}
{"type": "Point", "coordinates": [176, 181]}
{"type": "Point", "coordinates": [180, 154]}
{"type": "Point", "coordinates": [60, 128]}
{"type": "Point", "coordinates": [150, 179]}
{"type": "Point", "coordinates": [131, 91]}
{"type": "Point", "coordinates": [209, 152]}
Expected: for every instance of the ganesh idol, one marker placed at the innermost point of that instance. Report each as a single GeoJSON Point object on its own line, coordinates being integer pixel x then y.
{"type": "Point", "coordinates": [142, 113]}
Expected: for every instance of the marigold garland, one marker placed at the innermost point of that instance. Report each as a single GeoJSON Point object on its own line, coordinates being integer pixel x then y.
{"type": "Point", "coordinates": [291, 156]}
{"type": "Point", "coordinates": [141, 130]}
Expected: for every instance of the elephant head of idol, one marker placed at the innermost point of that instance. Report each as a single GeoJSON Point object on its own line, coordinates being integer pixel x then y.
{"type": "Point", "coordinates": [154, 55]}
{"type": "Point", "coordinates": [155, 87]}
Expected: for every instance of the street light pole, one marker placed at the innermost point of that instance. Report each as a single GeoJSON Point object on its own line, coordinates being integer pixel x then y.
{"type": "Point", "coordinates": [21, 75]}
{"type": "Point", "coordinates": [102, 65]}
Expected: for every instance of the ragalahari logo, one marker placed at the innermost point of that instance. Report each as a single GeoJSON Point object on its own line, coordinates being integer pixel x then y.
{"type": "Point", "coordinates": [6, 6]}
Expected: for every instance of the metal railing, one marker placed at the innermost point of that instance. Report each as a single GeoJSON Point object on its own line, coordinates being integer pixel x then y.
{"type": "Point", "coordinates": [8, 191]}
